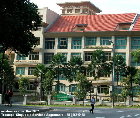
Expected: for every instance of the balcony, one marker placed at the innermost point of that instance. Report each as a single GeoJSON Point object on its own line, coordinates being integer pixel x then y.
{"type": "Point", "coordinates": [27, 62]}
{"type": "Point", "coordinates": [102, 80]}
{"type": "Point", "coordinates": [28, 76]}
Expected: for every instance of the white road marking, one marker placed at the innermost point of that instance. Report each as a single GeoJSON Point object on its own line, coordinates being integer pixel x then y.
{"type": "Point", "coordinates": [99, 117]}
{"type": "Point", "coordinates": [129, 116]}
{"type": "Point", "coordinates": [119, 111]}
{"type": "Point", "coordinates": [137, 114]}
{"type": "Point", "coordinates": [122, 116]}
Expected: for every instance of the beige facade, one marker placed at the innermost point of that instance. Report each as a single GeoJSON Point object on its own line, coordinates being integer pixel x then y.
{"type": "Point", "coordinates": [50, 45]}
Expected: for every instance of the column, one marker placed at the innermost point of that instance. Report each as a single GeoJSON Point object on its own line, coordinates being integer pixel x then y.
{"type": "Point", "coordinates": [83, 46]}
{"type": "Point", "coordinates": [56, 43]}
{"type": "Point", "coordinates": [41, 55]}
{"type": "Point", "coordinates": [69, 48]}
{"type": "Point", "coordinates": [128, 48]}
{"type": "Point", "coordinates": [69, 42]}
{"type": "Point", "coordinates": [98, 41]}
{"type": "Point", "coordinates": [26, 70]}
{"type": "Point", "coordinates": [113, 43]}
{"type": "Point", "coordinates": [25, 100]}
{"type": "Point", "coordinates": [49, 99]}
{"type": "Point", "coordinates": [0, 99]}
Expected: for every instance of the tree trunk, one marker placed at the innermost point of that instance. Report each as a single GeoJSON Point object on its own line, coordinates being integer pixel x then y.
{"type": "Point", "coordinates": [131, 87]}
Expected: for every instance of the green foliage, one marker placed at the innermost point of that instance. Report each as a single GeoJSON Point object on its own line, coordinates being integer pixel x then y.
{"type": "Point", "coordinates": [6, 71]}
{"type": "Point", "coordinates": [128, 81]}
{"type": "Point", "coordinates": [18, 18]}
{"type": "Point", "coordinates": [40, 68]}
{"type": "Point", "coordinates": [48, 82]}
{"type": "Point", "coordinates": [73, 66]}
{"type": "Point", "coordinates": [58, 59]}
{"type": "Point", "coordinates": [23, 84]}
{"type": "Point", "coordinates": [119, 66]}
{"type": "Point", "coordinates": [136, 55]}
{"type": "Point", "coordinates": [99, 66]}
{"type": "Point", "coordinates": [76, 61]}
{"type": "Point", "coordinates": [137, 77]}
{"type": "Point", "coordinates": [83, 86]}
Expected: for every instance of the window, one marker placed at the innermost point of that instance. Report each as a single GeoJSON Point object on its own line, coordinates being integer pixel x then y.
{"type": "Point", "coordinates": [49, 43]}
{"type": "Point", "coordinates": [120, 42]}
{"type": "Point", "coordinates": [65, 55]}
{"type": "Point", "coordinates": [31, 86]}
{"type": "Point", "coordinates": [31, 70]}
{"type": "Point", "coordinates": [90, 41]}
{"type": "Point", "coordinates": [34, 56]}
{"type": "Point", "coordinates": [108, 56]}
{"type": "Point", "coordinates": [76, 43]}
{"type": "Point", "coordinates": [88, 56]}
{"type": "Point", "coordinates": [69, 10]}
{"type": "Point", "coordinates": [62, 43]}
{"type": "Point", "coordinates": [123, 26]}
{"type": "Point", "coordinates": [72, 88]}
{"type": "Point", "coordinates": [75, 54]}
{"type": "Point", "coordinates": [61, 87]}
{"type": "Point", "coordinates": [63, 11]}
{"type": "Point", "coordinates": [122, 54]}
{"type": "Point", "coordinates": [133, 62]}
{"type": "Point", "coordinates": [38, 40]}
{"type": "Point", "coordinates": [135, 42]}
{"type": "Point", "coordinates": [48, 58]}
{"type": "Point", "coordinates": [21, 57]}
{"type": "Point", "coordinates": [77, 10]}
{"type": "Point", "coordinates": [85, 11]}
{"type": "Point", "coordinates": [103, 89]}
{"type": "Point", "coordinates": [105, 41]}
{"type": "Point", "coordinates": [20, 70]}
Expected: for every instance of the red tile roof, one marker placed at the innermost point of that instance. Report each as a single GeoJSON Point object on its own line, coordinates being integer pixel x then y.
{"type": "Point", "coordinates": [137, 25]}
{"type": "Point", "coordinates": [103, 22]}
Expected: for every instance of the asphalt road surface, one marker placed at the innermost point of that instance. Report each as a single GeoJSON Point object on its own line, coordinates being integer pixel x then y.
{"type": "Point", "coordinates": [84, 113]}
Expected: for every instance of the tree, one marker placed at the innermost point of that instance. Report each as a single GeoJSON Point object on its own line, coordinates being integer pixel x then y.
{"type": "Point", "coordinates": [119, 66]}
{"type": "Point", "coordinates": [72, 67]}
{"type": "Point", "coordinates": [17, 19]}
{"type": "Point", "coordinates": [83, 86]}
{"type": "Point", "coordinates": [136, 55]}
{"type": "Point", "coordinates": [48, 82]}
{"type": "Point", "coordinates": [129, 80]}
{"type": "Point", "coordinates": [40, 71]}
{"type": "Point", "coordinates": [137, 77]}
{"type": "Point", "coordinates": [58, 62]}
{"type": "Point", "coordinates": [23, 84]}
{"type": "Point", "coordinates": [6, 73]}
{"type": "Point", "coordinates": [99, 66]}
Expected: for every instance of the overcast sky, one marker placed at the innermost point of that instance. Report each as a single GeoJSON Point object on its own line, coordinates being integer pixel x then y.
{"type": "Point", "coordinates": [107, 6]}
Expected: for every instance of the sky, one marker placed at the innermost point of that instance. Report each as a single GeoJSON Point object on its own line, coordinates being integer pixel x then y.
{"type": "Point", "coordinates": [107, 6]}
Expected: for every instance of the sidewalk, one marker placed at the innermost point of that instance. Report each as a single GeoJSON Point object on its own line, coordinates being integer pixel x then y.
{"type": "Point", "coordinates": [19, 110]}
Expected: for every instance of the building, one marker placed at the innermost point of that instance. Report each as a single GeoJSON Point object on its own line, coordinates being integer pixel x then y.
{"type": "Point", "coordinates": [78, 32]}
{"type": "Point", "coordinates": [25, 65]}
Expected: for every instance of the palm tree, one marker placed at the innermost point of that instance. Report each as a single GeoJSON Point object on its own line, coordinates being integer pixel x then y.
{"type": "Point", "coordinates": [130, 75]}
{"type": "Point", "coordinates": [72, 67]}
{"type": "Point", "coordinates": [40, 71]}
{"type": "Point", "coordinates": [99, 65]}
{"type": "Point", "coordinates": [58, 62]}
{"type": "Point", "coordinates": [83, 86]}
{"type": "Point", "coordinates": [119, 66]}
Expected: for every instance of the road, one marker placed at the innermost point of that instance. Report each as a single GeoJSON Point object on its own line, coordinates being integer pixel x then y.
{"type": "Point", "coordinates": [84, 113]}
{"type": "Point", "coordinates": [55, 112]}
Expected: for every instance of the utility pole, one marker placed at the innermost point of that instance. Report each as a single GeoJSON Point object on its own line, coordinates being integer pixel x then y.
{"type": "Point", "coordinates": [113, 72]}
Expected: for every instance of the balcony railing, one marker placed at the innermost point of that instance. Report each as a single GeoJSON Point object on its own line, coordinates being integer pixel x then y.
{"type": "Point", "coordinates": [26, 62]}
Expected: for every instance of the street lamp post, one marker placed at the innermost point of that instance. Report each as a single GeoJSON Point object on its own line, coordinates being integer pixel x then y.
{"type": "Point", "coordinates": [1, 72]}
{"type": "Point", "coordinates": [113, 73]}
